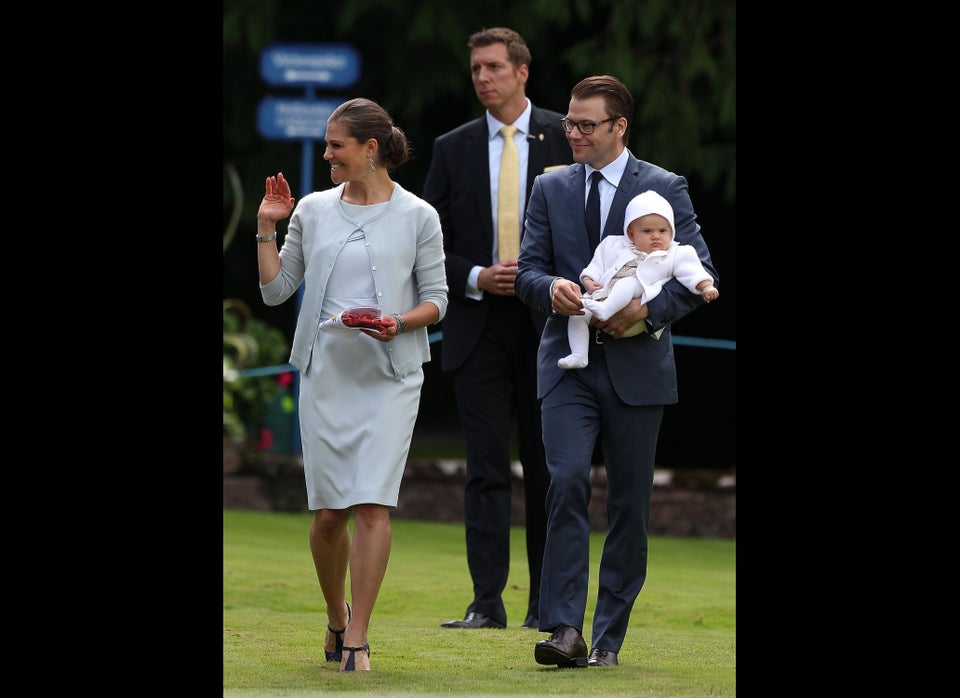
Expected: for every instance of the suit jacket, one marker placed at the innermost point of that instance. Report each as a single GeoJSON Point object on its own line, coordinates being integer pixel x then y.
{"type": "Point", "coordinates": [555, 244]}
{"type": "Point", "coordinates": [458, 186]}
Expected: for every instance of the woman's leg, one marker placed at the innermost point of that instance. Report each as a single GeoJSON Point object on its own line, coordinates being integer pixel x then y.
{"type": "Point", "coordinates": [372, 537]}
{"type": "Point", "coordinates": [330, 547]}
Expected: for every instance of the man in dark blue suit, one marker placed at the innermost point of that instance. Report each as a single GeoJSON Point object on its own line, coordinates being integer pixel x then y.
{"type": "Point", "coordinates": [489, 337]}
{"type": "Point", "coordinates": [620, 396]}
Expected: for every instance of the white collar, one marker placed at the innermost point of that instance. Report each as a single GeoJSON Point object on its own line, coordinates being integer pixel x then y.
{"type": "Point", "coordinates": [522, 123]}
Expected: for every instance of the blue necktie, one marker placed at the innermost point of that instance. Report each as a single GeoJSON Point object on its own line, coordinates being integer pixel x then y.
{"type": "Point", "coordinates": [593, 211]}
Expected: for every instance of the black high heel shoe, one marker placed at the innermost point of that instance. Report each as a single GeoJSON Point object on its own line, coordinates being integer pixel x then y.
{"type": "Point", "coordinates": [351, 664]}
{"type": "Point", "coordinates": [337, 654]}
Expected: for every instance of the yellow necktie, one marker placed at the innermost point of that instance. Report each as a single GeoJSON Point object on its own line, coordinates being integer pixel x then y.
{"type": "Point", "coordinates": [508, 198]}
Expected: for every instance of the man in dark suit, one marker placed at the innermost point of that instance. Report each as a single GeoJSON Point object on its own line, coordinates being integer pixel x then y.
{"type": "Point", "coordinates": [489, 337]}
{"type": "Point", "coordinates": [620, 395]}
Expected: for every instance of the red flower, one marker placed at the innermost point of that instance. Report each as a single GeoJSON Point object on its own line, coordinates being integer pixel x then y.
{"type": "Point", "coordinates": [266, 439]}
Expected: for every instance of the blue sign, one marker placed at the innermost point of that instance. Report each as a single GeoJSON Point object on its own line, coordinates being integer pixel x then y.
{"type": "Point", "coordinates": [309, 65]}
{"type": "Point", "coordinates": [297, 119]}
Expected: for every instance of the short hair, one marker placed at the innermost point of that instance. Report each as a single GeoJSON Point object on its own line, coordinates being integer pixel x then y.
{"type": "Point", "coordinates": [516, 47]}
{"type": "Point", "coordinates": [616, 97]}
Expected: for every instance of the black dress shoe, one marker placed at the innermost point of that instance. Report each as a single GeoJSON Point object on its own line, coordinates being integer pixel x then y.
{"type": "Point", "coordinates": [565, 648]}
{"type": "Point", "coordinates": [602, 658]}
{"type": "Point", "coordinates": [531, 622]}
{"type": "Point", "coordinates": [473, 620]}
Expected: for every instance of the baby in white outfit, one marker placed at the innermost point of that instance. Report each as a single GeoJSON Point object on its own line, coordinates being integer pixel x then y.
{"type": "Point", "coordinates": [634, 265]}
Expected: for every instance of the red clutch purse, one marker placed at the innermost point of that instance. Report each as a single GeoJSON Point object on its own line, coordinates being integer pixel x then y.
{"type": "Point", "coordinates": [367, 317]}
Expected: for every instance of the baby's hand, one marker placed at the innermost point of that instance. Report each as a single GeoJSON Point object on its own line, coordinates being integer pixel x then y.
{"type": "Point", "coordinates": [590, 285]}
{"type": "Point", "coordinates": [710, 293]}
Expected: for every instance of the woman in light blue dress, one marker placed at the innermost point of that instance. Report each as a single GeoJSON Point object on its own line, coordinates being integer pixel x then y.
{"type": "Point", "coordinates": [366, 241]}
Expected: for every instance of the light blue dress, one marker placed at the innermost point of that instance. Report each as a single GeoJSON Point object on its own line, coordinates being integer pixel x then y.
{"type": "Point", "coordinates": [356, 417]}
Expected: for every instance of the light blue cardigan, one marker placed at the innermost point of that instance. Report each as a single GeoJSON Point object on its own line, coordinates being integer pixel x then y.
{"type": "Point", "coordinates": [405, 244]}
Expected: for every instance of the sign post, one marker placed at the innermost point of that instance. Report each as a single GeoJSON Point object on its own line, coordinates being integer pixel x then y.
{"type": "Point", "coordinates": [310, 65]}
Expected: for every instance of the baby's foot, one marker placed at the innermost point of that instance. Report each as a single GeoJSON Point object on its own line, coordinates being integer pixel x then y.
{"type": "Point", "coordinates": [573, 361]}
{"type": "Point", "coordinates": [595, 307]}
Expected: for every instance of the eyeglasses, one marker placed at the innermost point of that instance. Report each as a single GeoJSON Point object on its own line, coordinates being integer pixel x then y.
{"type": "Point", "coordinates": [586, 127]}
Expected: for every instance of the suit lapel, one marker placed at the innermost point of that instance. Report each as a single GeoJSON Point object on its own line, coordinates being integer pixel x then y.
{"type": "Point", "coordinates": [575, 204]}
{"type": "Point", "coordinates": [625, 192]}
{"type": "Point", "coordinates": [478, 170]}
{"type": "Point", "coordinates": [536, 153]}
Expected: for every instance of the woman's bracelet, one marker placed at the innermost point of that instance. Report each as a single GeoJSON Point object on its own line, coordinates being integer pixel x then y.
{"type": "Point", "coordinates": [267, 238]}
{"type": "Point", "coordinates": [399, 318]}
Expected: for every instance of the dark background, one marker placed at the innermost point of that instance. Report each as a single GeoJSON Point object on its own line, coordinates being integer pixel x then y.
{"type": "Point", "coordinates": [678, 58]}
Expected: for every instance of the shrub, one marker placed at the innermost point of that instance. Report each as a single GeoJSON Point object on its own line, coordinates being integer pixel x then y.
{"type": "Point", "coordinates": [248, 343]}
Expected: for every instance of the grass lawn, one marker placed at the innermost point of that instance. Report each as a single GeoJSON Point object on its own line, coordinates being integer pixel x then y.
{"type": "Point", "coordinates": [681, 641]}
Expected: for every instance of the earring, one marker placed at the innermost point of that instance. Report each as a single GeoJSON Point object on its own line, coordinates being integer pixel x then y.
{"type": "Point", "coordinates": [370, 162]}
